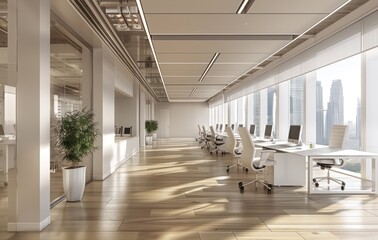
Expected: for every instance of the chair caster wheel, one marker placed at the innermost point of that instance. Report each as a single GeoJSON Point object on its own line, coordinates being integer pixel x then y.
{"type": "Point", "coordinates": [240, 184]}
{"type": "Point", "coordinates": [314, 180]}
{"type": "Point", "coordinates": [246, 169]}
{"type": "Point", "coordinates": [342, 188]}
{"type": "Point", "coordinates": [269, 191]}
{"type": "Point", "coordinates": [343, 183]}
{"type": "Point", "coordinates": [241, 188]}
{"type": "Point", "coordinates": [316, 184]}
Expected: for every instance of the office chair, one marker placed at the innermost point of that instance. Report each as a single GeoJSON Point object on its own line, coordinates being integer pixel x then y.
{"type": "Point", "coordinates": [199, 137]}
{"type": "Point", "coordinates": [258, 164]}
{"type": "Point", "coordinates": [234, 149]}
{"type": "Point", "coordinates": [206, 137]}
{"type": "Point", "coordinates": [216, 142]}
{"type": "Point", "coordinates": [220, 128]}
{"type": "Point", "coordinates": [336, 140]}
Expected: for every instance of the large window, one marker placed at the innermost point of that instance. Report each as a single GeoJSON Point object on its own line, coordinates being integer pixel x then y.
{"type": "Point", "coordinates": [338, 100]}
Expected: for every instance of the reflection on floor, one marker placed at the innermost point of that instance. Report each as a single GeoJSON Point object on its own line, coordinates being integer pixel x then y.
{"type": "Point", "coordinates": [175, 190]}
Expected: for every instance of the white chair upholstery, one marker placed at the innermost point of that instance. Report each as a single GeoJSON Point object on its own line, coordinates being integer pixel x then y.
{"type": "Point", "coordinates": [258, 164]}
{"type": "Point", "coordinates": [216, 142]}
{"type": "Point", "coordinates": [337, 140]}
{"type": "Point", "coordinates": [234, 149]}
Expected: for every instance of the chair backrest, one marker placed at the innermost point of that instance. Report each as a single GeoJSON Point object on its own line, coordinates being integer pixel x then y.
{"type": "Point", "coordinates": [212, 131]}
{"type": "Point", "coordinates": [231, 140]}
{"type": "Point", "coordinates": [249, 150]}
{"type": "Point", "coordinates": [338, 136]}
{"type": "Point", "coordinates": [199, 129]}
{"type": "Point", "coordinates": [217, 127]}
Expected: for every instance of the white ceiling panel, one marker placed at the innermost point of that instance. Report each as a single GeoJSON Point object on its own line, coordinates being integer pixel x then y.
{"type": "Point", "coordinates": [180, 80]}
{"type": "Point", "coordinates": [187, 34]}
{"type": "Point", "coordinates": [221, 46]}
{"type": "Point", "coordinates": [217, 80]}
{"type": "Point", "coordinates": [228, 24]}
{"type": "Point", "coordinates": [183, 67]}
{"type": "Point", "coordinates": [295, 6]}
{"type": "Point", "coordinates": [184, 58]}
{"type": "Point", "coordinates": [240, 58]}
{"type": "Point", "coordinates": [192, 6]}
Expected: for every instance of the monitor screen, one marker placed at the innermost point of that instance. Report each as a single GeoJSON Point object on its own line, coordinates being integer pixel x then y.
{"type": "Point", "coordinates": [295, 134]}
{"type": "Point", "coordinates": [226, 125]}
{"type": "Point", "coordinates": [241, 125]}
{"type": "Point", "coordinates": [252, 129]}
{"type": "Point", "coordinates": [220, 127]}
{"type": "Point", "coordinates": [232, 127]}
{"type": "Point", "coordinates": [127, 130]}
{"type": "Point", "coordinates": [268, 131]}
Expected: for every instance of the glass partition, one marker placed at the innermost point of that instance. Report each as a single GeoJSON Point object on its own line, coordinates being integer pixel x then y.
{"type": "Point", "coordinates": [66, 94]}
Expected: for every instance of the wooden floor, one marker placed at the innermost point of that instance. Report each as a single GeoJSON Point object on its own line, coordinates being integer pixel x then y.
{"type": "Point", "coordinates": [174, 190]}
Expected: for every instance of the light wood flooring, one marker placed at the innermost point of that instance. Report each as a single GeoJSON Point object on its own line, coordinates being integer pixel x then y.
{"type": "Point", "coordinates": [175, 190]}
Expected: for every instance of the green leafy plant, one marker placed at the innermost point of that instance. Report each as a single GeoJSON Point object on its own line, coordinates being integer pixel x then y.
{"type": "Point", "coordinates": [76, 133]}
{"type": "Point", "coordinates": [155, 125]}
{"type": "Point", "coordinates": [149, 126]}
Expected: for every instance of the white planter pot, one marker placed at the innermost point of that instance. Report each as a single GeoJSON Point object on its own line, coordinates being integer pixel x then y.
{"type": "Point", "coordinates": [74, 183]}
{"type": "Point", "coordinates": [149, 140]}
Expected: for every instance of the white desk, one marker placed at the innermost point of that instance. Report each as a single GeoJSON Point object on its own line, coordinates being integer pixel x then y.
{"type": "Point", "coordinates": [294, 163]}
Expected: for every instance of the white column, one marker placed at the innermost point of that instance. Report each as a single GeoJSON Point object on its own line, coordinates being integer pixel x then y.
{"type": "Point", "coordinates": [142, 117]}
{"type": "Point", "coordinates": [33, 118]}
{"type": "Point", "coordinates": [103, 107]}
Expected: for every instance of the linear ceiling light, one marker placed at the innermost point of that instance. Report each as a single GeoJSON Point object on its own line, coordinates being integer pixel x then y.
{"type": "Point", "coordinates": [216, 55]}
{"type": "Point", "coordinates": [192, 92]}
{"type": "Point", "coordinates": [143, 18]}
{"type": "Point", "coordinates": [245, 6]}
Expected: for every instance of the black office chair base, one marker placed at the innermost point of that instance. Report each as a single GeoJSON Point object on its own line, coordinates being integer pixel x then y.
{"type": "Point", "coordinates": [267, 186]}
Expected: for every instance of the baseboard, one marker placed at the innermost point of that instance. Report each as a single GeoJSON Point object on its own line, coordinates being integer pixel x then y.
{"type": "Point", "coordinates": [29, 227]}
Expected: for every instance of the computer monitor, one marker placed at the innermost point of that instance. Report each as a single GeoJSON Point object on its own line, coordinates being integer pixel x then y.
{"type": "Point", "coordinates": [225, 126]}
{"type": "Point", "coordinates": [127, 131]}
{"type": "Point", "coordinates": [268, 131]}
{"type": "Point", "coordinates": [252, 128]}
{"type": "Point", "coordinates": [232, 127]}
{"type": "Point", "coordinates": [220, 127]}
{"type": "Point", "coordinates": [295, 132]}
{"type": "Point", "coordinates": [241, 125]}
{"type": "Point", "coordinates": [216, 127]}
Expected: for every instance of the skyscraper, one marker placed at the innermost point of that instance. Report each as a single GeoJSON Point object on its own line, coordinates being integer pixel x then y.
{"type": "Point", "coordinates": [297, 100]}
{"type": "Point", "coordinates": [319, 114]}
{"type": "Point", "coordinates": [256, 112]}
{"type": "Point", "coordinates": [358, 122]}
{"type": "Point", "coordinates": [335, 107]}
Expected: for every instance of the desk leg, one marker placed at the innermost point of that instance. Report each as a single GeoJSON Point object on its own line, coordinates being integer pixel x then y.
{"type": "Point", "coordinates": [6, 159]}
{"type": "Point", "coordinates": [309, 175]}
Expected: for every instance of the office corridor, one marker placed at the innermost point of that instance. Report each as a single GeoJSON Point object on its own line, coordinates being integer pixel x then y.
{"type": "Point", "coordinates": [175, 190]}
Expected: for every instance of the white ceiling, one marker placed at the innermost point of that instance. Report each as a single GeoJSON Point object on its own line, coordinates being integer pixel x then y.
{"type": "Point", "coordinates": [186, 35]}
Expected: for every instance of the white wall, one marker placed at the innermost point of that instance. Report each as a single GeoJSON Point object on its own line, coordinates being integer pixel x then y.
{"type": "Point", "coordinates": [109, 74]}
{"type": "Point", "coordinates": [125, 113]}
{"type": "Point", "coordinates": [183, 118]}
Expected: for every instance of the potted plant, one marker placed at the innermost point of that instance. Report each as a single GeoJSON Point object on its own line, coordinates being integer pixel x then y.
{"type": "Point", "coordinates": [149, 129]}
{"type": "Point", "coordinates": [76, 133]}
{"type": "Point", "coordinates": [155, 127]}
